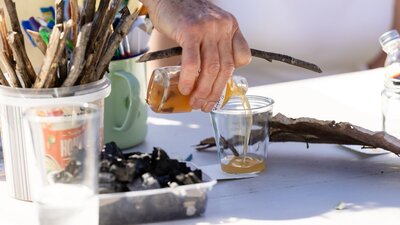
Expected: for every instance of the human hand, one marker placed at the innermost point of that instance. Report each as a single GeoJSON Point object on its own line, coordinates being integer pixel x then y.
{"type": "Point", "coordinates": [212, 46]}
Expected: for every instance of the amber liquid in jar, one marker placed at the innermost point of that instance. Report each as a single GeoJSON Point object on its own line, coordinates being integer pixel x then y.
{"type": "Point", "coordinates": [163, 95]}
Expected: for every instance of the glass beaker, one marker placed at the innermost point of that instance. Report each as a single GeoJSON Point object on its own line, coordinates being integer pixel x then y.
{"type": "Point", "coordinates": [242, 147]}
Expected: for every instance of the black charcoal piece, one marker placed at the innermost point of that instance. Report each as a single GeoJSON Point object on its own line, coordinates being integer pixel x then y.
{"type": "Point", "coordinates": [105, 165]}
{"type": "Point", "coordinates": [142, 164]}
{"type": "Point", "coordinates": [163, 180]}
{"type": "Point", "coordinates": [194, 178]}
{"type": "Point", "coordinates": [199, 174]}
{"type": "Point", "coordinates": [111, 152]}
{"type": "Point", "coordinates": [146, 182]}
{"type": "Point", "coordinates": [159, 154]}
{"type": "Point", "coordinates": [123, 173]}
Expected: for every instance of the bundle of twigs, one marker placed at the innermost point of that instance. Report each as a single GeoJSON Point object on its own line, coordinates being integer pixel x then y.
{"type": "Point", "coordinates": [94, 42]}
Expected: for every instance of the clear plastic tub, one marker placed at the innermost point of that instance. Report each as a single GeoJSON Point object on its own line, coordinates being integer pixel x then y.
{"type": "Point", "coordinates": [19, 161]}
{"type": "Point", "coordinates": [157, 204]}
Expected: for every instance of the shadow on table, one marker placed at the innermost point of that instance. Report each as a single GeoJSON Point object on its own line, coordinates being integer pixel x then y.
{"type": "Point", "coordinates": [302, 183]}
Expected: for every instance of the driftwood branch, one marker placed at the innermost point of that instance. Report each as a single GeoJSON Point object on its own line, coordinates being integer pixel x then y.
{"type": "Point", "coordinates": [269, 56]}
{"type": "Point", "coordinates": [11, 76]}
{"type": "Point", "coordinates": [12, 13]}
{"type": "Point", "coordinates": [3, 32]}
{"type": "Point", "coordinates": [48, 58]}
{"type": "Point", "coordinates": [88, 11]}
{"type": "Point", "coordinates": [120, 32]}
{"type": "Point", "coordinates": [100, 42]}
{"type": "Point", "coordinates": [58, 57]}
{"type": "Point", "coordinates": [62, 63]}
{"type": "Point", "coordinates": [310, 130]}
{"type": "Point", "coordinates": [38, 40]}
{"type": "Point", "coordinates": [21, 68]}
{"type": "Point", "coordinates": [79, 56]}
{"type": "Point", "coordinates": [75, 19]}
{"type": "Point", "coordinates": [56, 47]}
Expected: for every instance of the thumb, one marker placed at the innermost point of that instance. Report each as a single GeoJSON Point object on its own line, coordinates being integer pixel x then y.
{"type": "Point", "coordinates": [241, 50]}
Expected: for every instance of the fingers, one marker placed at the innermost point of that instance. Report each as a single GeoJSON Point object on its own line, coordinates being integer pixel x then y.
{"type": "Point", "coordinates": [190, 66]}
{"type": "Point", "coordinates": [226, 69]}
{"type": "Point", "coordinates": [210, 67]}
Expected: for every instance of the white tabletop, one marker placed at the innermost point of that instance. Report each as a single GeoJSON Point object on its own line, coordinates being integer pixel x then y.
{"type": "Point", "coordinates": [300, 185]}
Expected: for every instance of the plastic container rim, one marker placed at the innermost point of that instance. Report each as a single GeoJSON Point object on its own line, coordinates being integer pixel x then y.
{"type": "Point", "coordinates": [63, 95]}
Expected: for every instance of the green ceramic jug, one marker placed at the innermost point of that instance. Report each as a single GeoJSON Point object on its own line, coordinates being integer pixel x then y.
{"type": "Point", "coordinates": [125, 109]}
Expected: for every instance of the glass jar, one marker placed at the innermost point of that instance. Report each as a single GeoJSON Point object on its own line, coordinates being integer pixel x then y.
{"type": "Point", "coordinates": [163, 95]}
{"type": "Point", "coordinates": [390, 42]}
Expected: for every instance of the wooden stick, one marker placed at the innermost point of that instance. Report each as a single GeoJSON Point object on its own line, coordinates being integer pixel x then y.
{"type": "Point", "coordinates": [97, 23]}
{"type": "Point", "coordinates": [13, 15]}
{"type": "Point", "coordinates": [79, 56]}
{"type": "Point", "coordinates": [120, 32]}
{"type": "Point", "coordinates": [62, 64]}
{"type": "Point", "coordinates": [90, 49]}
{"type": "Point", "coordinates": [269, 56]}
{"type": "Point", "coordinates": [38, 41]}
{"type": "Point", "coordinates": [94, 58]}
{"type": "Point", "coordinates": [11, 76]}
{"type": "Point", "coordinates": [3, 79]}
{"type": "Point", "coordinates": [27, 62]}
{"type": "Point", "coordinates": [88, 11]}
{"type": "Point", "coordinates": [51, 79]}
{"type": "Point", "coordinates": [3, 32]}
{"type": "Point", "coordinates": [310, 130]}
{"type": "Point", "coordinates": [48, 60]}
{"type": "Point", "coordinates": [59, 12]}
{"type": "Point", "coordinates": [100, 42]}
{"type": "Point", "coordinates": [21, 68]}
{"type": "Point", "coordinates": [75, 19]}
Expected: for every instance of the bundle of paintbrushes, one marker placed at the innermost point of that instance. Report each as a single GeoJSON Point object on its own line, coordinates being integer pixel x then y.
{"type": "Point", "coordinates": [77, 51]}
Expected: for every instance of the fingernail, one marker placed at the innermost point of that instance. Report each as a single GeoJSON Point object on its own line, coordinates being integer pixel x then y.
{"type": "Point", "coordinates": [185, 91]}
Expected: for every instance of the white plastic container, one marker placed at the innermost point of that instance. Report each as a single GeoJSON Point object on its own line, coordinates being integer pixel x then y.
{"type": "Point", "coordinates": [19, 161]}
{"type": "Point", "coordinates": [153, 205]}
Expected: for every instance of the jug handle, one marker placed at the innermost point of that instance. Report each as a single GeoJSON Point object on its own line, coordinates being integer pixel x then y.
{"type": "Point", "coordinates": [133, 85]}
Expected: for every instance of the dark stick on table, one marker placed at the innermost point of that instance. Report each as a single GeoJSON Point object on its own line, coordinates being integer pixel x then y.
{"type": "Point", "coordinates": [269, 56]}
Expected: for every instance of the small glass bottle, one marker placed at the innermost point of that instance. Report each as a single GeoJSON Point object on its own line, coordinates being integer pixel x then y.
{"type": "Point", "coordinates": [163, 95]}
{"type": "Point", "coordinates": [390, 42]}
